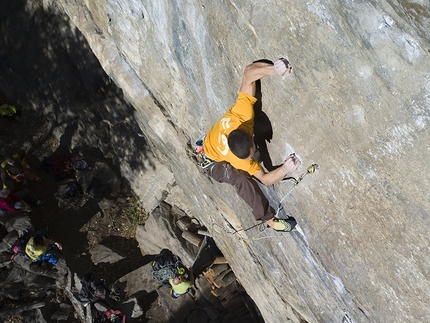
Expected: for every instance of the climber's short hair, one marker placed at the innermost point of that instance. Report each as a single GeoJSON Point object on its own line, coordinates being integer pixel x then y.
{"type": "Point", "coordinates": [38, 240]}
{"type": "Point", "coordinates": [240, 143]}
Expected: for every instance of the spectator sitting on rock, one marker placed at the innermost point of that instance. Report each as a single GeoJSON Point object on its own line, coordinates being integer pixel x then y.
{"type": "Point", "coordinates": [40, 249]}
{"type": "Point", "coordinates": [16, 168]}
{"type": "Point", "coordinates": [180, 285]}
{"type": "Point", "coordinates": [14, 203]}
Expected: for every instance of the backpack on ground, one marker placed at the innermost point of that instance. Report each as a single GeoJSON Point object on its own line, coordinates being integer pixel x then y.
{"type": "Point", "coordinates": [79, 163]}
{"type": "Point", "coordinates": [73, 190]}
{"type": "Point", "coordinates": [108, 316]}
{"type": "Point", "coordinates": [48, 256]}
{"type": "Point", "coordinates": [18, 247]}
{"type": "Point", "coordinates": [166, 265]}
{"type": "Point", "coordinates": [92, 290]}
{"type": "Point", "coordinates": [60, 166]}
{"type": "Point", "coordinates": [114, 316]}
{"type": "Point", "coordinates": [8, 111]}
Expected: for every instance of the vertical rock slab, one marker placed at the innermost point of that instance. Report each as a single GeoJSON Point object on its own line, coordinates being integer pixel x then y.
{"type": "Point", "coordinates": [356, 104]}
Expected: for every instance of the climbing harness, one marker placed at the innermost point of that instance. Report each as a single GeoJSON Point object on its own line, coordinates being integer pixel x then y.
{"type": "Point", "coordinates": [114, 293]}
{"type": "Point", "coordinates": [204, 162]}
{"type": "Point", "coordinates": [199, 155]}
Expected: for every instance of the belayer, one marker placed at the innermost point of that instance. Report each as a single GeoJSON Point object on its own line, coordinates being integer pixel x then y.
{"type": "Point", "coordinates": [168, 269]}
{"type": "Point", "coordinates": [230, 145]}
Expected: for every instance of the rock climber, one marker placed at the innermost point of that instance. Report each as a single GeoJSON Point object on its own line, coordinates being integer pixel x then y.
{"type": "Point", "coordinates": [229, 143]}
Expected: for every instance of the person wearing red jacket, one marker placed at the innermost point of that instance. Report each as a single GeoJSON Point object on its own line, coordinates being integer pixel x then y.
{"type": "Point", "coordinates": [14, 203]}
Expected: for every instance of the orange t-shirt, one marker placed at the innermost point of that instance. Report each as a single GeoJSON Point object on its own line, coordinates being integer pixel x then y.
{"type": "Point", "coordinates": [215, 144]}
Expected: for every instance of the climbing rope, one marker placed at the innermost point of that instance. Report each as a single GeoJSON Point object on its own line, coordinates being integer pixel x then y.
{"type": "Point", "coordinates": [169, 270]}
{"type": "Point", "coordinates": [233, 236]}
{"type": "Point", "coordinates": [310, 170]}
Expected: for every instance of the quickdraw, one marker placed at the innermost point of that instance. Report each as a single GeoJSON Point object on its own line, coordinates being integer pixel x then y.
{"type": "Point", "coordinates": [310, 170]}
{"type": "Point", "coordinates": [199, 155]}
{"type": "Point", "coordinates": [201, 159]}
{"type": "Point", "coordinates": [263, 227]}
{"type": "Point", "coordinates": [205, 162]}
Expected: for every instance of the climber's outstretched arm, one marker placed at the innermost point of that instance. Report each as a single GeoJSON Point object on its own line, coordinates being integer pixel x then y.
{"type": "Point", "coordinates": [257, 70]}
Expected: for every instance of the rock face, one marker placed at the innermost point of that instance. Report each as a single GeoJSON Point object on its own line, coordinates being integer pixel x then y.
{"type": "Point", "coordinates": [357, 104]}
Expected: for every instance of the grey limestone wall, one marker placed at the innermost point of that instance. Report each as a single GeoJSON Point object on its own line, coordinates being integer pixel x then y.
{"type": "Point", "coordinates": [357, 104]}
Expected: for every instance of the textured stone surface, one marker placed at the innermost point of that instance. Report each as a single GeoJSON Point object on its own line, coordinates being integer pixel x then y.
{"type": "Point", "coordinates": [103, 254]}
{"type": "Point", "coordinates": [357, 104]}
{"type": "Point", "coordinates": [161, 232]}
{"type": "Point", "coordinates": [138, 280]}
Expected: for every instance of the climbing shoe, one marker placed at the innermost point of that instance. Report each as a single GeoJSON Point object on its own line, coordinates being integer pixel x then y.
{"type": "Point", "coordinates": [38, 179]}
{"type": "Point", "coordinates": [25, 183]}
{"type": "Point", "coordinates": [284, 225]}
{"type": "Point", "coordinates": [281, 225]}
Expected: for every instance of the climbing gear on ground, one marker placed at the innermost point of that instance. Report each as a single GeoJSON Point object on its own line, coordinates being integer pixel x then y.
{"type": "Point", "coordinates": [38, 179]}
{"type": "Point", "coordinates": [101, 314]}
{"type": "Point", "coordinates": [79, 163]}
{"type": "Point", "coordinates": [114, 293]}
{"type": "Point", "coordinates": [92, 290]}
{"type": "Point", "coordinates": [114, 316]}
{"type": "Point", "coordinates": [60, 167]}
{"type": "Point", "coordinates": [199, 155]}
{"type": "Point", "coordinates": [73, 190]}
{"type": "Point", "coordinates": [18, 247]}
{"type": "Point", "coordinates": [166, 265]}
{"type": "Point", "coordinates": [9, 111]}
{"type": "Point", "coordinates": [48, 256]}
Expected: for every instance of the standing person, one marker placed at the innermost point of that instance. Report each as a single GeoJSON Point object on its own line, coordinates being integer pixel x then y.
{"type": "Point", "coordinates": [229, 143]}
{"type": "Point", "coordinates": [17, 169]}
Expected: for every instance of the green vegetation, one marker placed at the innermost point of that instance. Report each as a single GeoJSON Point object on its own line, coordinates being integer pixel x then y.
{"type": "Point", "coordinates": [132, 214]}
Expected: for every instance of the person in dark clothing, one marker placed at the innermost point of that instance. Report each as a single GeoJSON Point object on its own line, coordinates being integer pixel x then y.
{"type": "Point", "coordinates": [14, 203]}
{"type": "Point", "coordinates": [16, 168]}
